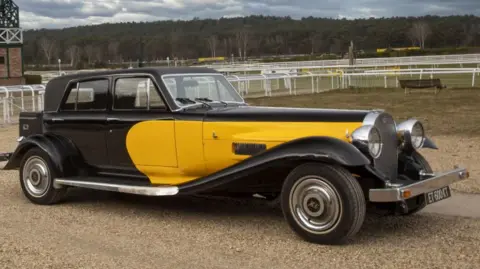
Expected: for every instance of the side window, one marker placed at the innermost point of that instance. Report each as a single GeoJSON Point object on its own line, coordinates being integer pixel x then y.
{"type": "Point", "coordinates": [87, 95]}
{"type": "Point", "coordinates": [136, 93]}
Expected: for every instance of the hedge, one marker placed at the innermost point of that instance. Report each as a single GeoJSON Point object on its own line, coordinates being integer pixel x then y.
{"type": "Point", "coordinates": [33, 79]}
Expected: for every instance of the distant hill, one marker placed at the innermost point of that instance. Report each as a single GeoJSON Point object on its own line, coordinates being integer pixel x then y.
{"type": "Point", "coordinates": [257, 35]}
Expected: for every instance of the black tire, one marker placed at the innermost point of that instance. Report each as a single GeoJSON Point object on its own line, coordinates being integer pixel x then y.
{"type": "Point", "coordinates": [343, 188]}
{"type": "Point", "coordinates": [38, 187]}
{"type": "Point", "coordinates": [426, 167]}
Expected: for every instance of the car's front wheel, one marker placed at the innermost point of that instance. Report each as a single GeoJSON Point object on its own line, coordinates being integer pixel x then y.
{"type": "Point", "coordinates": [323, 203]}
{"type": "Point", "coordinates": [37, 173]}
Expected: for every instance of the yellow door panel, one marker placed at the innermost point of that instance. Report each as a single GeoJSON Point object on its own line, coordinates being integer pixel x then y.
{"type": "Point", "coordinates": [168, 152]}
{"type": "Point", "coordinates": [189, 139]}
{"type": "Point", "coordinates": [152, 143]}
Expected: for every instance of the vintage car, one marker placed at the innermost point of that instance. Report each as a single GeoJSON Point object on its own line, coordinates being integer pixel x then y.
{"type": "Point", "coordinates": [186, 131]}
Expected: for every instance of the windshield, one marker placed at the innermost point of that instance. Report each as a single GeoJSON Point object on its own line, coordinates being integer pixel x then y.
{"type": "Point", "coordinates": [186, 88]}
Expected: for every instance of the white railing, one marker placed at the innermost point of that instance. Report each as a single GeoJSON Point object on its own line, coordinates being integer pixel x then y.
{"type": "Point", "coordinates": [362, 62]}
{"type": "Point", "coordinates": [15, 99]}
{"type": "Point", "coordinates": [373, 63]}
{"type": "Point", "coordinates": [20, 98]}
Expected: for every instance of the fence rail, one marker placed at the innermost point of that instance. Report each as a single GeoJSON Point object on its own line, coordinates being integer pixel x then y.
{"type": "Point", "coordinates": [374, 63]}
{"type": "Point", "coordinates": [434, 60]}
{"type": "Point", "coordinates": [14, 99]}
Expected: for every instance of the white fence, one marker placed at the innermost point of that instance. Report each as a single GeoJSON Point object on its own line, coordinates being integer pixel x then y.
{"type": "Point", "coordinates": [14, 99]}
{"type": "Point", "coordinates": [324, 81]}
{"type": "Point", "coordinates": [372, 63]}
{"type": "Point", "coordinates": [434, 61]}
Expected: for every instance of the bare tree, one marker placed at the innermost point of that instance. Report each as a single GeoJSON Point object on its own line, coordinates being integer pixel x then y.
{"type": "Point", "coordinates": [98, 54]}
{"type": "Point", "coordinates": [471, 31]}
{"type": "Point", "coordinates": [280, 43]}
{"type": "Point", "coordinates": [419, 32]}
{"type": "Point", "coordinates": [242, 37]}
{"type": "Point", "coordinates": [174, 42]}
{"type": "Point", "coordinates": [72, 53]}
{"type": "Point", "coordinates": [89, 51]}
{"type": "Point", "coordinates": [47, 46]}
{"type": "Point", "coordinates": [225, 47]}
{"type": "Point", "coordinates": [212, 43]}
{"type": "Point", "coordinates": [113, 50]}
{"type": "Point", "coordinates": [315, 41]}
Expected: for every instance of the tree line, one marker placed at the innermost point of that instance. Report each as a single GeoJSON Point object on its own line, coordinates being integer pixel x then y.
{"type": "Point", "coordinates": [242, 37]}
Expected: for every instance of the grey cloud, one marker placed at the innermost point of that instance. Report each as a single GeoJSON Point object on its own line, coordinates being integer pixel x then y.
{"type": "Point", "coordinates": [151, 9]}
{"type": "Point", "coordinates": [61, 9]}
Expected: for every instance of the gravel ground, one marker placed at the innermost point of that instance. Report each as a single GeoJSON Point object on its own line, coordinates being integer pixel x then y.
{"type": "Point", "coordinates": [107, 230]}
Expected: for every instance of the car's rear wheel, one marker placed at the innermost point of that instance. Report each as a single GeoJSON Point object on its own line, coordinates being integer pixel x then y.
{"type": "Point", "coordinates": [37, 173]}
{"type": "Point", "coordinates": [323, 203]}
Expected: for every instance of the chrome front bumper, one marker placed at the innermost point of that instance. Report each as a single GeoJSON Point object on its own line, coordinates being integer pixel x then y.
{"type": "Point", "coordinates": [402, 193]}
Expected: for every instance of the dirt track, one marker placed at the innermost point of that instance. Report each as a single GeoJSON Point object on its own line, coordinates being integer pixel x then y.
{"type": "Point", "coordinates": [106, 230]}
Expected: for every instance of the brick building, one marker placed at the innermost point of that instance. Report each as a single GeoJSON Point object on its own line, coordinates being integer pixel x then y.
{"type": "Point", "coordinates": [11, 45]}
{"type": "Point", "coordinates": [11, 65]}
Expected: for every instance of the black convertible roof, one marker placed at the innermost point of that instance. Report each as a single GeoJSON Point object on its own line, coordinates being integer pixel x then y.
{"type": "Point", "coordinates": [55, 87]}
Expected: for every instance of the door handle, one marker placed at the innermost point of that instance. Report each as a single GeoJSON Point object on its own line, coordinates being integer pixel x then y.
{"type": "Point", "coordinates": [113, 119]}
{"type": "Point", "coordinates": [57, 119]}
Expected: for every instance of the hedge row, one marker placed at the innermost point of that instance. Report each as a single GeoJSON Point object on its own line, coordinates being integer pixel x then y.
{"type": "Point", "coordinates": [33, 79]}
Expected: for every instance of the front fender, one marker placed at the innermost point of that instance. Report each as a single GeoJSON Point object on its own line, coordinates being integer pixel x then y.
{"type": "Point", "coordinates": [60, 150]}
{"type": "Point", "coordinates": [327, 149]}
{"type": "Point", "coordinates": [323, 149]}
{"type": "Point", "coordinates": [429, 144]}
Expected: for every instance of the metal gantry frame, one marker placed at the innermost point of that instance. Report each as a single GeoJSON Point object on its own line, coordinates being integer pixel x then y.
{"type": "Point", "coordinates": [10, 31]}
{"type": "Point", "coordinates": [11, 36]}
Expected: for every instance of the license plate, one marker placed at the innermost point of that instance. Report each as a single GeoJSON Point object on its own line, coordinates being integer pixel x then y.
{"type": "Point", "coordinates": [438, 195]}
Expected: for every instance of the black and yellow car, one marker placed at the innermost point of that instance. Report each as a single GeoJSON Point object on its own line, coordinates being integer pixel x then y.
{"type": "Point", "coordinates": [186, 131]}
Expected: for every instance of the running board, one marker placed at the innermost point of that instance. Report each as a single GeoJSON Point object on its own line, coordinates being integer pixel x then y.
{"type": "Point", "coordinates": [115, 187]}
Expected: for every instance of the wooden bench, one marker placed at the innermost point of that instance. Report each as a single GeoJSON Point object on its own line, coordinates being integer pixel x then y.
{"type": "Point", "coordinates": [408, 84]}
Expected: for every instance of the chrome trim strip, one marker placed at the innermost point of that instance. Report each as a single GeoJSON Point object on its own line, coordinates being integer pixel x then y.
{"type": "Point", "coordinates": [440, 180]}
{"type": "Point", "coordinates": [140, 190]}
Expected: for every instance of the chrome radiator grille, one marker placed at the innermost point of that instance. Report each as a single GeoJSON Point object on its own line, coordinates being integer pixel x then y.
{"type": "Point", "coordinates": [387, 162]}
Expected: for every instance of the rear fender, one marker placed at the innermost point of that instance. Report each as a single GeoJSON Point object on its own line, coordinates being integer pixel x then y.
{"type": "Point", "coordinates": [62, 152]}
{"type": "Point", "coordinates": [322, 149]}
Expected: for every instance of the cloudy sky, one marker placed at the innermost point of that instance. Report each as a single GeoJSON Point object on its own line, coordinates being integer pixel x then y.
{"type": "Point", "coordinates": [66, 13]}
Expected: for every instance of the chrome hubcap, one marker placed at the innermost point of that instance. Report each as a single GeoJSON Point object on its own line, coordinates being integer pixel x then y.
{"type": "Point", "coordinates": [36, 176]}
{"type": "Point", "coordinates": [315, 204]}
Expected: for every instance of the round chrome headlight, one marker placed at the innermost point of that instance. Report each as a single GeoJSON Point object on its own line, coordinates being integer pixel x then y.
{"type": "Point", "coordinates": [374, 142]}
{"type": "Point", "coordinates": [416, 130]}
{"type": "Point", "coordinates": [370, 137]}
{"type": "Point", "coordinates": [417, 135]}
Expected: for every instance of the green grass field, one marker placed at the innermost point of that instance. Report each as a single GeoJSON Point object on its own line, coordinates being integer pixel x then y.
{"type": "Point", "coordinates": [303, 85]}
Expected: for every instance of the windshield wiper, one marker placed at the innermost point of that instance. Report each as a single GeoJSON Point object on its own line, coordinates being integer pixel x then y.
{"type": "Point", "coordinates": [203, 101]}
{"type": "Point", "coordinates": [209, 100]}
{"type": "Point", "coordinates": [185, 100]}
